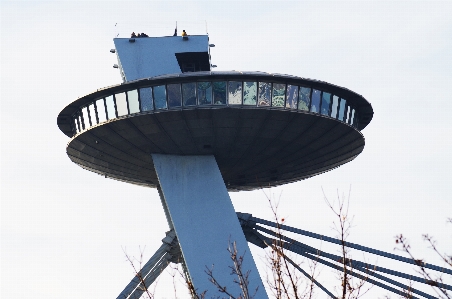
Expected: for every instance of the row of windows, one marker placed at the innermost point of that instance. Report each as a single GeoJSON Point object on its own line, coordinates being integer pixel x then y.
{"type": "Point", "coordinates": [232, 93]}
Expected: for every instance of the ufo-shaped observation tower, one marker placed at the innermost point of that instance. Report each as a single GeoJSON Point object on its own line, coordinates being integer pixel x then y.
{"type": "Point", "coordinates": [194, 134]}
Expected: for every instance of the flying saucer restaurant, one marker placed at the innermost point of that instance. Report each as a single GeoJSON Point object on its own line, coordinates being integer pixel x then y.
{"type": "Point", "coordinates": [263, 129]}
{"type": "Point", "coordinates": [214, 90]}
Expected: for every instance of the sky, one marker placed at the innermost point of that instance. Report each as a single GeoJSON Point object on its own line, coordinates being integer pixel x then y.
{"type": "Point", "coordinates": [65, 231]}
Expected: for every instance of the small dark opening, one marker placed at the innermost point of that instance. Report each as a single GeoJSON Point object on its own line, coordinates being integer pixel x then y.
{"type": "Point", "coordinates": [207, 146]}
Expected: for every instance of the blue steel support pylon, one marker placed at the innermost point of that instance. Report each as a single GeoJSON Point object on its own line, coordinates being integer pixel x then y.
{"type": "Point", "coordinates": [205, 222]}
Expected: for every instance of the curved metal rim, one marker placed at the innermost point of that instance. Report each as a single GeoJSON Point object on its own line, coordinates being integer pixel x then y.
{"type": "Point", "coordinates": [365, 108]}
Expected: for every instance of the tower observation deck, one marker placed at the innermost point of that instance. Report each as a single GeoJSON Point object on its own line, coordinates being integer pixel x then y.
{"type": "Point", "coordinates": [263, 129]}
{"type": "Point", "coordinates": [175, 125]}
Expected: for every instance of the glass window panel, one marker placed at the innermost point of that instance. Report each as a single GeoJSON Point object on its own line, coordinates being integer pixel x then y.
{"type": "Point", "coordinates": [315, 103]}
{"type": "Point", "coordinates": [304, 98]}
{"type": "Point", "coordinates": [189, 94]}
{"type": "Point", "coordinates": [334, 106]}
{"type": "Point", "coordinates": [326, 102]}
{"type": "Point", "coordinates": [342, 106]}
{"type": "Point", "coordinates": [101, 110]}
{"type": "Point", "coordinates": [92, 114]}
{"type": "Point", "coordinates": [235, 93]}
{"type": "Point", "coordinates": [347, 113]}
{"type": "Point", "coordinates": [85, 117]}
{"type": "Point", "coordinates": [121, 104]}
{"type": "Point", "coordinates": [204, 93]}
{"type": "Point", "coordinates": [146, 100]}
{"type": "Point", "coordinates": [110, 107]}
{"type": "Point", "coordinates": [174, 95]}
{"type": "Point", "coordinates": [250, 93]}
{"type": "Point", "coordinates": [279, 92]}
{"type": "Point", "coordinates": [352, 118]}
{"type": "Point", "coordinates": [132, 98]}
{"type": "Point", "coordinates": [160, 97]}
{"type": "Point", "coordinates": [292, 97]}
{"type": "Point", "coordinates": [264, 94]}
{"type": "Point", "coordinates": [80, 122]}
{"type": "Point", "coordinates": [219, 93]}
{"type": "Point", "coordinates": [77, 128]}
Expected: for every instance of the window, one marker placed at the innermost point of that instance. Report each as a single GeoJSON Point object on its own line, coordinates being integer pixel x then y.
{"type": "Point", "coordinates": [334, 106]}
{"type": "Point", "coordinates": [80, 123]}
{"type": "Point", "coordinates": [304, 98]}
{"type": "Point", "coordinates": [264, 95]}
{"type": "Point", "coordinates": [315, 104]}
{"type": "Point", "coordinates": [204, 93]}
{"type": "Point", "coordinates": [85, 118]}
{"type": "Point", "coordinates": [292, 97]}
{"type": "Point", "coordinates": [219, 93]}
{"type": "Point", "coordinates": [160, 97]}
{"type": "Point", "coordinates": [279, 92]}
{"type": "Point", "coordinates": [250, 93]}
{"type": "Point", "coordinates": [92, 114]}
{"type": "Point", "coordinates": [146, 99]}
{"type": "Point", "coordinates": [235, 93]}
{"type": "Point", "coordinates": [121, 104]}
{"type": "Point", "coordinates": [342, 106]}
{"type": "Point", "coordinates": [347, 113]}
{"type": "Point", "coordinates": [132, 98]}
{"type": "Point", "coordinates": [100, 106]}
{"type": "Point", "coordinates": [174, 95]}
{"type": "Point", "coordinates": [326, 103]}
{"type": "Point", "coordinates": [189, 94]}
{"type": "Point", "coordinates": [76, 124]}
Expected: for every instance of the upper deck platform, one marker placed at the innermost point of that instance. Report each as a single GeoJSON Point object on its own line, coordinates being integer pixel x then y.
{"type": "Point", "coordinates": [263, 129]}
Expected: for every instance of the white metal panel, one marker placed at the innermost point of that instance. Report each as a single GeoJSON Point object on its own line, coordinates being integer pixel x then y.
{"type": "Point", "coordinates": [204, 220]}
{"type": "Point", "coordinates": [154, 56]}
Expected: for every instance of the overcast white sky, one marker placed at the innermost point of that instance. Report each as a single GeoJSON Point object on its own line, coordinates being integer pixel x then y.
{"type": "Point", "coordinates": [63, 228]}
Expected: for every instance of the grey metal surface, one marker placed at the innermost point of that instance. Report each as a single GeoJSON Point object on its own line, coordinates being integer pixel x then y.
{"type": "Point", "coordinates": [318, 284]}
{"type": "Point", "coordinates": [253, 235]}
{"type": "Point", "coordinates": [370, 270]}
{"type": "Point", "coordinates": [251, 220]}
{"type": "Point", "coordinates": [204, 220]}
{"type": "Point", "coordinates": [254, 148]}
{"type": "Point", "coordinates": [399, 291]}
{"type": "Point", "coordinates": [168, 252]}
{"type": "Point", "coordinates": [153, 56]}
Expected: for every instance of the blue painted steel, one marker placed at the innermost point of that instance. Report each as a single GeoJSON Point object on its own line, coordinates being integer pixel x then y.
{"type": "Point", "coordinates": [309, 277]}
{"type": "Point", "coordinates": [151, 270]}
{"type": "Point", "coordinates": [155, 56]}
{"type": "Point", "coordinates": [355, 263]}
{"type": "Point", "coordinates": [348, 244]}
{"type": "Point", "coordinates": [204, 220]}
{"type": "Point", "coordinates": [305, 250]}
{"type": "Point", "coordinates": [252, 232]}
{"type": "Point", "coordinates": [367, 279]}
